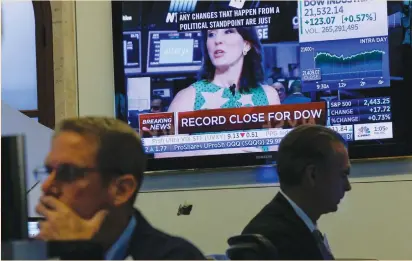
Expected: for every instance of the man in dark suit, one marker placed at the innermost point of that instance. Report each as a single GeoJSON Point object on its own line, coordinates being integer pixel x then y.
{"type": "Point", "coordinates": [313, 168]}
{"type": "Point", "coordinates": [296, 95]}
{"type": "Point", "coordinates": [94, 172]}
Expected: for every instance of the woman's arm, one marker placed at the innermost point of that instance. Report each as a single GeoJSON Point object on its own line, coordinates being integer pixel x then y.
{"type": "Point", "coordinates": [271, 94]}
{"type": "Point", "coordinates": [184, 100]}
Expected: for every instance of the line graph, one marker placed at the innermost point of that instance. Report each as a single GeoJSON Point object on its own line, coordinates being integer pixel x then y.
{"type": "Point", "coordinates": [345, 64]}
{"type": "Point", "coordinates": [359, 65]}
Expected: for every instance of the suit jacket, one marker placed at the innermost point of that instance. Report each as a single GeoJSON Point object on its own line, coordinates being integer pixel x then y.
{"type": "Point", "coordinates": [148, 243]}
{"type": "Point", "coordinates": [296, 98]}
{"type": "Point", "coordinates": [279, 223]}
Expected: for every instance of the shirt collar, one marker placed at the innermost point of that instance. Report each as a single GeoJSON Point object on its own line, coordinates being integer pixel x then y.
{"type": "Point", "coordinates": [118, 250]}
{"type": "Point", "coordinates": [309, 223]}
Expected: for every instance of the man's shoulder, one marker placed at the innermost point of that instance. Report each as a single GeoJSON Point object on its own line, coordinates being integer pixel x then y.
{"type": "Point", "coordinates": [173, 247]}
{"type": "Point", "coordinates": [282, 233]}
{"type": "Point", "coordinates": [151, 243]}
{"type": "Point", "coordinates": [270, 220]}
{"type": "Point", "coordinates": [282, 227]}
{"type": "Point", "coordinates": [274, 218]}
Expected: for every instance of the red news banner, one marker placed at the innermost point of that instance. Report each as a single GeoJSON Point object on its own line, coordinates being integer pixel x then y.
{"type": "Point", "coordinates": [247, 118]}
{"type": "Point", "coordinates": [156, 124]}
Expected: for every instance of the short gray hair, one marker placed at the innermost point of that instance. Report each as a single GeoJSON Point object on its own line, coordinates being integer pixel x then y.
{"type": "Point", "coordinates": [304, 145]}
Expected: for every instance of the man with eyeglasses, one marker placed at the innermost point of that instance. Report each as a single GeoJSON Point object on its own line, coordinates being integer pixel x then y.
{"type": "Point", "coordinates": [281, 90]}
{"type": "Point", "coordinates": [156, 105]}
{"type": "Point", "coordinates": [95, 169]}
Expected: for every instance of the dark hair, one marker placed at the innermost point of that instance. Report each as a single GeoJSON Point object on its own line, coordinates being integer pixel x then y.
{"type": "Point", "coordinates": [157, 97]}
{"type": "Point", "coordinates": [119, 148]}
{"type": "Point", "coordinates": [252, 72]}
{"type": "Point", "coordinates": [296, 86]}
{"type": "Point", "coordinates": [304, 145]}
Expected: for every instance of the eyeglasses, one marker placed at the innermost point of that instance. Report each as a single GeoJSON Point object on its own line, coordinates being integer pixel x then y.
{"type": "Point", "coordinates": [64, 172]}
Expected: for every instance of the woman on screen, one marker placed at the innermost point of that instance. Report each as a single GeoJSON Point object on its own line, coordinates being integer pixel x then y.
{"type": "Point", "coordinates": [232, 77]}
{"type": "Point", "coordinates": [232, 74]}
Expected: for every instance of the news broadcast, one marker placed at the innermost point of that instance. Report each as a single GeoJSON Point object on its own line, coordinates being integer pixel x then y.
{"type": "Point", "coordinates": [229, 77]}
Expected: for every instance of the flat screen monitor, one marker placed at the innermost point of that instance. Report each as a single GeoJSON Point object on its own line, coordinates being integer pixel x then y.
{"type": "Point", "coordinates": [172, 51]}
{"type": "Point", "coordinates": [13, 189]}
{"type": "Point", "coordinates": [132, 52]}
{"type": "Point", "coordinates": [263, 68]}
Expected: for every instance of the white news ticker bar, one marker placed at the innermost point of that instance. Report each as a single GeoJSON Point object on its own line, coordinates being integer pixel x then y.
{"type": "Point", "coordinates": [373, 131]}
{"type": "Point", "coordinates": [221, 136]}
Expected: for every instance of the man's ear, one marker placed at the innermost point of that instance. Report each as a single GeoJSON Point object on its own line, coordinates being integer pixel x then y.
{"type": "Point", "coordinates": [122, 189]}
{"type": "Point", "coordinates": [309, 176]}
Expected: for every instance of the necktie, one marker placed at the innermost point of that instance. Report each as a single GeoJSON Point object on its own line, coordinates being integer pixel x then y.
{"type": "Point", "coordinates": [327, 255]}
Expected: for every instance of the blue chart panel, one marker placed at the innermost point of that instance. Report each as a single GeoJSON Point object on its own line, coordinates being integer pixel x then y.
{"type": "Point", "coordinates": [361, 65]}
{"type": "Point", "coordinates": [345, 64]}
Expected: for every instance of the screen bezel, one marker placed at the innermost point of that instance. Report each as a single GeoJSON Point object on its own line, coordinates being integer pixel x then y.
{"type": "Point", "coordinates": [360, 150]}
{"type": "Point", "coordinates": [14, 197]}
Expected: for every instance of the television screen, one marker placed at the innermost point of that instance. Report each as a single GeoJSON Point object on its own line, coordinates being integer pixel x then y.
{"type": "Point", "coordinates": [131, 52]}
{"type": "Point", "coordinates": [234, 77]}
{"type": "Point", "coordinates": [174, 51]}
